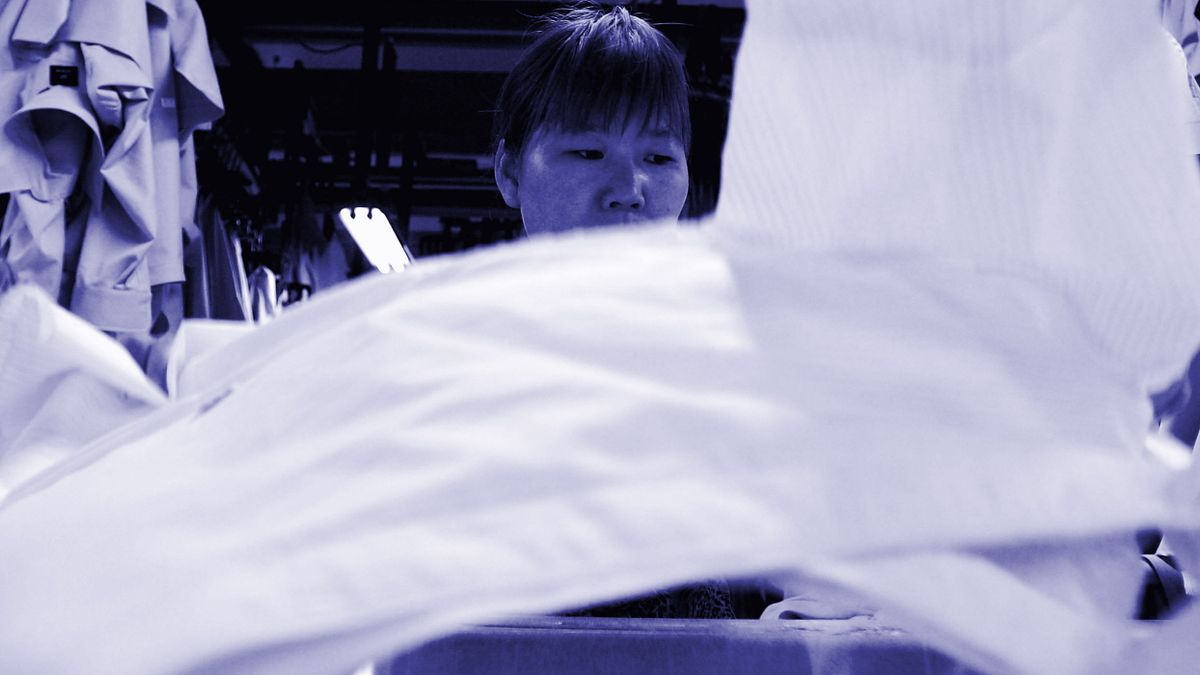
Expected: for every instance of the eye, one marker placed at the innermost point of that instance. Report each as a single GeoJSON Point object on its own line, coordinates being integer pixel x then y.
{"type": "Point", "coordinates": [588, 154]}
{"type": "Point", "coordinates": [659, 160]}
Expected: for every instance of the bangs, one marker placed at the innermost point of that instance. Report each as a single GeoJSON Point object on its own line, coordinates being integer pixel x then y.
{"type": "Point", "coordinates": [595, 70]}
{"type": "Point", "coordinates": [614, 86]}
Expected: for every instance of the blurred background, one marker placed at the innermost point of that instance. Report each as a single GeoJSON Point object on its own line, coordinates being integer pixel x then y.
{"type": "Point", "coordinates": [388, 105]}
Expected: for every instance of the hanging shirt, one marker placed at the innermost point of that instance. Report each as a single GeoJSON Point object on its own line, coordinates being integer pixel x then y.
{"type": "Point", "coordinates": [112, 280]}
{"type": "Point", "coordinates": [217, 286]}
{"type": "Point", "coordinates": [110, 286]}
{"type": "Point", "coordinates": [133, 58]}
{"type": "Point", "coordinates": [47, 139]}
{"type": "Point", "coordinates": [185, 97]}
{"type": "Point", "coordinates": [264, 296]}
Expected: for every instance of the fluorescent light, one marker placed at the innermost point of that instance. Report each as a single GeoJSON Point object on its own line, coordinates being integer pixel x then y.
{"type": "Point", "coordinates": [374, 235]}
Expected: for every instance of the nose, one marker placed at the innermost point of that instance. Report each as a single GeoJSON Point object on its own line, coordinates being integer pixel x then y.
{"type": "Point", "coordinates": [626, 187]}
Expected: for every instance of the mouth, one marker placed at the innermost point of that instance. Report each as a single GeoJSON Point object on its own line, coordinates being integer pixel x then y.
{"type": "Point", "coordinates": [625, 219]}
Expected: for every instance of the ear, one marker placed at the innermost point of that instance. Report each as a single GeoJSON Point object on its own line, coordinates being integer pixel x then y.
{"type": "Point", "coordinates": [507, 168]}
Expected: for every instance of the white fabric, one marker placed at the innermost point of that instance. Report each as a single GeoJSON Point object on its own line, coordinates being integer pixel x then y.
{"type": "Point", "coordinates": [195, 338]}
{"type": "Point", "coordinates": [1044, 139]}
{"type": "Point", "coordinates": [64, 385]}
{"type": "Point", "coordinates": [490, 442]}
{"type": "Point", "coordinates": [924, 381]}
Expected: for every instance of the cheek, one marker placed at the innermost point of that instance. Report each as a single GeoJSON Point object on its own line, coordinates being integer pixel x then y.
{"type": "Point", "coordinates": [559, 184]}
{"type": "Point", "coordinates": [672, 192]}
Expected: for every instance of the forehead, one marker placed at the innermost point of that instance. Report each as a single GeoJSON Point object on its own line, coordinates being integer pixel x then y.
{"type": "Point", "coordinates": [583, 105]}
{"type": "Point", "coordinates": [654, 127]}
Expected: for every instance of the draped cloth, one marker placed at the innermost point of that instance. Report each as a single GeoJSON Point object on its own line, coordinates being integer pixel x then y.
{"type": "Point", "coordinates": [949, 429]}
{"type": "Point", "coordinates": [421, 450]}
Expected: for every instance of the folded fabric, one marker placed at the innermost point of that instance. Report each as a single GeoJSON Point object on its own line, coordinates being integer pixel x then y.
{"type": "Point", "coordinates": [467, 441]}
{"type": "Point", "coordinates": [65, 384]}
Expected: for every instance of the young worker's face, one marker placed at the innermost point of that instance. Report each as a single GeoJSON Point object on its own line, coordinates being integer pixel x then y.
{"type": "Point", "coordinates": [570, 179]}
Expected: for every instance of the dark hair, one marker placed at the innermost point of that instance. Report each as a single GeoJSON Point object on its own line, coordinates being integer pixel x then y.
{"type": "Point", "coordinates": [590, 63]}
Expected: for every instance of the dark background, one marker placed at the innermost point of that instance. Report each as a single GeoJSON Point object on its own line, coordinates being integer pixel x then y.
{"type": "Point", "coordinates": [355, 102]}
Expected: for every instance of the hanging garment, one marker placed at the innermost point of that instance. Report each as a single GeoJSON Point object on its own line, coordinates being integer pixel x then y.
{"type": "Point", "coordinates": [50, 139]}
{"type": "Point", "coordinates": [133, 238]}
{"type": "Point", "coordinates": [165, 256]}
{"type": "Point", "coordinates": [324, 266]}
{"type": "Point", "coordinates": [119, 25]}
{"type": "Point", "coordinates": [111, 285]}
{"type": "Point", "coordinates": [313, 257]}
{"type": "Point", "coordinates": [217, 287]}
{"type": "Point", "coordinates": [197, 301]}
{"type": "Point", "coordinates": [197, 92]}
{"type": "Point", "coordinates": [264, 296]}
{"type": "Point", "coordinates": [177, 107]}
{"type": "Point", "coordinates": [34, 234]}
{"type": "Point", "coordinates": [112, 279]}
{"type": "Point", "coordinates": [185, 97]}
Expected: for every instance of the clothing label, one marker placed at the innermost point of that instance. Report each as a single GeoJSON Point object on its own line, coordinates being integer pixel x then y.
{"type": "Point", "coordinates": [67, 76]}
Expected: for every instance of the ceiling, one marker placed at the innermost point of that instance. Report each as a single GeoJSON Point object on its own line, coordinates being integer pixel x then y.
{"type": "Point", "coordinates": [389, 102]}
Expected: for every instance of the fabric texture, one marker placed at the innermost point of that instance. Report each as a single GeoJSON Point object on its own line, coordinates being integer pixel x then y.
{"type": "Point", "coordinates": [1041, 141]}
{"type": "Point", "coordinates": [50, 138]}
{"type": "Point", "coordinates": [65, 385]}
{"type": "Point", "coordinates": [547, 445]}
